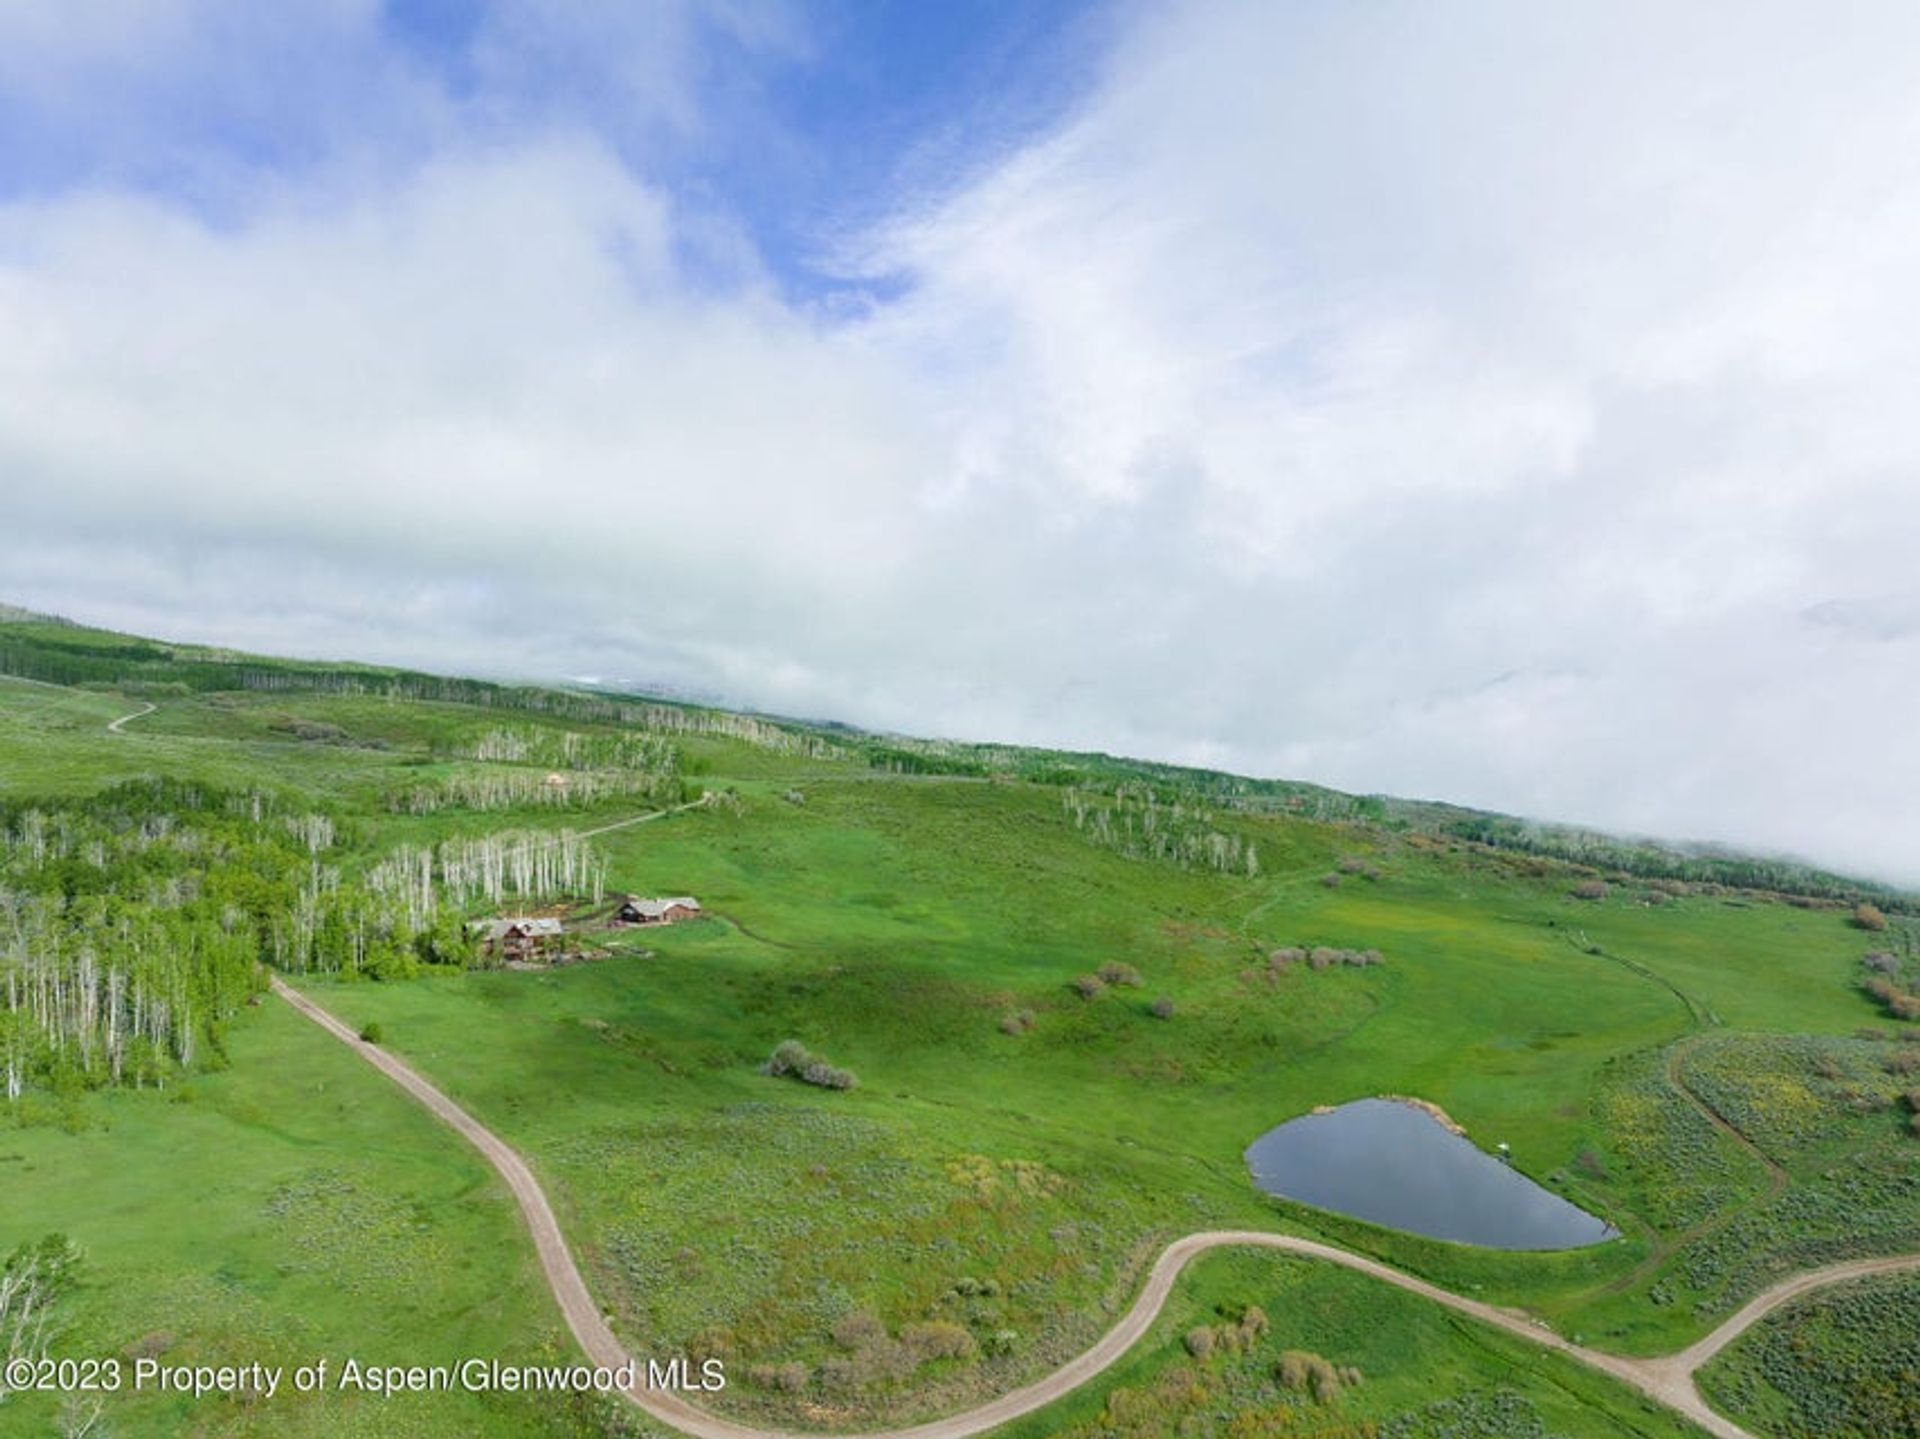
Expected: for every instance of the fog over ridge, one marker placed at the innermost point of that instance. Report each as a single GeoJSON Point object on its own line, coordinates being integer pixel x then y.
{"type": "Point", "coordinates": [1510, 406]}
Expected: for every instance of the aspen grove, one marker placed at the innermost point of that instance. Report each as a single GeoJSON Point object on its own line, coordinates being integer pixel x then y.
{"type": "Point", "coordinates": [129, 930]}
{"type": "Point", "coordinates": [133, 924]}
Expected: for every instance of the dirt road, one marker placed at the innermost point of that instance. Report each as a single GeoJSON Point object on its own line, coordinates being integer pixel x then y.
{"type": "Point", "coordinates": [113, 726]}
{"type": "Point", "coordinates": [700, 803]}
{"type": "Point", "coordinates": [1668, 1379]}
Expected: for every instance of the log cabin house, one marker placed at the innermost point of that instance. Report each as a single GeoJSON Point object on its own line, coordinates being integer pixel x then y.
{"type": "Point", "coordinates": [521, 938]}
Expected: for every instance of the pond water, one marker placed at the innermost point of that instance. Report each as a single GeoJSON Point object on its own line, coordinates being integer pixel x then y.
{"type": "Point", "coordinates": [1393, 1164]}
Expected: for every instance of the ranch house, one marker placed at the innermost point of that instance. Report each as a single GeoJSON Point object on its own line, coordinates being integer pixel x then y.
{"type": "Point", "coordinates": [519, 938]}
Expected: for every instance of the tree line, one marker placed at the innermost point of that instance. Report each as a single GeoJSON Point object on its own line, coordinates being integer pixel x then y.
{"type": "Point", "coordinates": [504, 788]}
{"type": "Point", "coordinates": [133, 923]}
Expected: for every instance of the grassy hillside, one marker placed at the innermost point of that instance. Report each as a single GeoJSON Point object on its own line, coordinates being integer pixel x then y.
{"type": "Point", "coordinates": [287, 1209]}
{"type": "Point", "coordinates": [1692, 1058]}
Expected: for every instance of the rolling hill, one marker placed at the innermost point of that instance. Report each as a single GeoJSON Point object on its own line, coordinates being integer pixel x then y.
{"type": "Point", "coordinates": [1064, 993]}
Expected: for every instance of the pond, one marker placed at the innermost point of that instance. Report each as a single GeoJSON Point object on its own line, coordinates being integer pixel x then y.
{"type": "Point", "coordinates": [1394, 1164]}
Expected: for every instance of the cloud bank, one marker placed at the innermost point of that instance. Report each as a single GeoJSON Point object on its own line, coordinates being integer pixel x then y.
{"type": "Point", "coordinates": [1510, 405]}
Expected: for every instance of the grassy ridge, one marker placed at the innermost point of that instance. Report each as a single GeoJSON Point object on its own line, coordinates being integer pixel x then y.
{"type": "Point", "coordinates": [57, 651]}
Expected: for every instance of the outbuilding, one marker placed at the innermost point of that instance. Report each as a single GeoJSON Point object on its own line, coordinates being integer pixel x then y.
{"type": "Point", "coordinates": [634, 910]}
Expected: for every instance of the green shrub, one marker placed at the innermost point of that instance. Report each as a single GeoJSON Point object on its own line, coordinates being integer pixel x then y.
{"type": "Point", "coordinates": [788, 1378]}
{"type": "Point", "coordinates": [858, 1329]}
{"type": "Point", "coordinates": [789, 1057]}
{"type": "Point", "coordinates": [793, 1060]}
{"type": "Point", "coordinates": [828, 1076]}
{"type": "Point", "coordinates": [1300, 1369]}
{"type": "Point", "coordinates": [1834, 1362]}
{"type": "Point", "coordinates": [938, 1339]}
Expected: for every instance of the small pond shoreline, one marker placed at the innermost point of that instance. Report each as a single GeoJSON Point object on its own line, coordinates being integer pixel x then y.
{"type": "Point", "coordinates": [1404, 1163]}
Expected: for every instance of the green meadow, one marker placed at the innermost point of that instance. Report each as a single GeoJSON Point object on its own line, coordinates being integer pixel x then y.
{"type": "Point", "coordinates": [1693, 1059]}
{"type": "Point", "coordinates": [288, 1209]}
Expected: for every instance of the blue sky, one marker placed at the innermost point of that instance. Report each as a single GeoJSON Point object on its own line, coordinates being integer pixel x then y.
{"type": "Point", "coordinates": [796, 123]}
{"type": "Point", "coordinates": [814, 119]}
{"type": "Point", "coordinates": [1500, 402]}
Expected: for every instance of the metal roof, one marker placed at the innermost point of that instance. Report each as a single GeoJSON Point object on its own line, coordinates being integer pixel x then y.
{"type": "Point", "coordinates": [499, 928]}
{"type": "Point", "coordinates": [654, 908]}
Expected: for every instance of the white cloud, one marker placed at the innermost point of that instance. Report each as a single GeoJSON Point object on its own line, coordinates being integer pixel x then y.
{"type": "Point", "coordinates": [1509, 406]}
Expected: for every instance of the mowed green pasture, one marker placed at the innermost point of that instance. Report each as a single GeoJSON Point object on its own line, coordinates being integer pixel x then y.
{"type": "Point", "coordinates": [291, 1208]}
{"type": "Point", "coordinates": [1015, 1183]}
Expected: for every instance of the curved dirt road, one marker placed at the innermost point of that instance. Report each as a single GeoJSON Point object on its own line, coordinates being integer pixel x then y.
{"type": "Point", "coordinates": [1668, 1379]}
{"type": "Point", "coordinates": [146, 708]}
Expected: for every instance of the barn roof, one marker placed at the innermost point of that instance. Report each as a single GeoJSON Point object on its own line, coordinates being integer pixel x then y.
{"type": "Point", "coordinates": [654, 908]}
{"type": "Point", "coordinates": [500, 928]}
